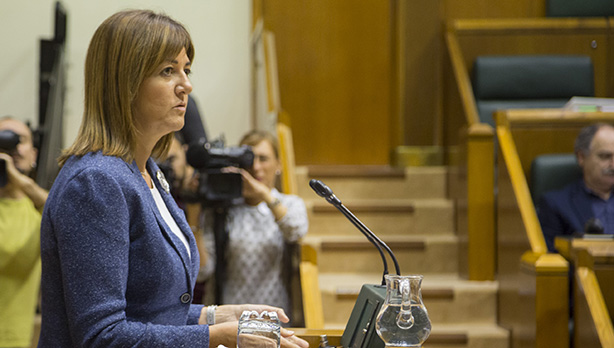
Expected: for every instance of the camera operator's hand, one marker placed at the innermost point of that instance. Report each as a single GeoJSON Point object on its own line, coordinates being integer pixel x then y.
{"type": "Point", "coordinates": [254, 191]}
{"type": "Point", "coordinates": [19, 184]}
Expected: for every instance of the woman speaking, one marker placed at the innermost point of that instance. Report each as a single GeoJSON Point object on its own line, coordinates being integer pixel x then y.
{"type": "Point", "coordinates": [119, 259]}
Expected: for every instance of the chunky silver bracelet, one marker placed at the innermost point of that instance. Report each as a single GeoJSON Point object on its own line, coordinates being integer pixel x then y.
{"type": "Point", "coordinates": [211, 314]}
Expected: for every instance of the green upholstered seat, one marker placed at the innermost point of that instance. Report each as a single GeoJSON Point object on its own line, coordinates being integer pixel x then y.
{"type": "Point", "coordinates": [551, 172]}
{"type": "Point", "coordinates": [529, 81]}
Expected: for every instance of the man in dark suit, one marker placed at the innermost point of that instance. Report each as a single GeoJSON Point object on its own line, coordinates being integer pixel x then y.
{"type": "Point", "coordinates": [586, 205]}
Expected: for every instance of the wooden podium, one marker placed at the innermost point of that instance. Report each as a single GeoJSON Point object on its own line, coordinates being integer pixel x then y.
{"type": "Point", "coordinates": [592, 258]}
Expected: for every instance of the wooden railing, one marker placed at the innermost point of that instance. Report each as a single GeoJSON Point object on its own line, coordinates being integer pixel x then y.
{"type": "Point", "coordinates": [465, 40]}
{"type": "Point", "coordinates": [599, 321]}
{"type": "Point", "coordinates": [312, 296]}
{"type": "Point", "coordinates": [593, 259]}
{"type": "Point", "coordinates": [522, 135]}
{"type": "Point", "coordinates": [546, 275]}
{"type": "Point", "coordinates": [519, 184]}
{"type": "Point", "coordinates": [479, 180]}
{"type": "Point", "coordinates": [499, 222]}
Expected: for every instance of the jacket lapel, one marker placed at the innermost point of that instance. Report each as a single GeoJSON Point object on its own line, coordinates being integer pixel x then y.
{"type": "Point", "coordinates": [190, 264]}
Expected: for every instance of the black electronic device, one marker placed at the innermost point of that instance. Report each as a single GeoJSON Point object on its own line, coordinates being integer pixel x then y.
{"type": "Point", "coordinates": [210, 158]}
{"type": "Point", "coordinates": [8, 143]}
{"type": "Point", "coordinates": [8, 140]}
{"type": "Point", "coordinates": [219, 189]}
{"type": "Point", "coordinates": [360, 329]}
{"type": "Point", "coordinates": [3, 177]}
{"type": "Point", "coordinates": [594, 226]}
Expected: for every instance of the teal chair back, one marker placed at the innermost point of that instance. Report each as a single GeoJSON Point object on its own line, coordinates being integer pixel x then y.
{"type": "Point", "coordinates": [551, 172]}
{"type": "Point", "coordinates": [579, 8]}
{"type": "Point", "coordinates": [529, 81]}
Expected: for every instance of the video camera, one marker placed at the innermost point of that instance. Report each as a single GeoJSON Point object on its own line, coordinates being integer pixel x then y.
{"type": "Point", "coordinates": [8, 143]}
{"type": "Point", "coordinates": [209, 158]}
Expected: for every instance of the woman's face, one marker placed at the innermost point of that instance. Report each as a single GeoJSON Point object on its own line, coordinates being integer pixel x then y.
{"type": "Point", "coordinates": [161, 101]}
{"type": "Point", "coordinates": [266, 164]}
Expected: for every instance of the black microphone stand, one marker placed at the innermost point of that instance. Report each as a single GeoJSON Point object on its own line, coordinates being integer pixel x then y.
{"type": "Point", "coordinates": [324, 191]}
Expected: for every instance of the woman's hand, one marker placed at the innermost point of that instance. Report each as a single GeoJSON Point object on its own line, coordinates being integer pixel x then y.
{"type": "Point", "coordinates": [227, 313]}
{"type": "Point", "coordinates": [224, 334]}
{"type": "Point", "coordinates": [13, 175]}
{"type": "Point", "coordinates": [23, 183]}
{"type": "Point", "coordinates": [226, 327]}
{"type": "Point", "coordinates": [289, 340]}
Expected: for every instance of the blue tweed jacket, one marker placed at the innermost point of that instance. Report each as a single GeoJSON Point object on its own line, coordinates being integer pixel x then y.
{"type": "Point", "coordinates": [114, 275]}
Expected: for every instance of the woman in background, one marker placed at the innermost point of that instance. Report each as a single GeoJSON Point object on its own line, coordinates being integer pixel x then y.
{"type": "Point", "coordinates": [258, 231]}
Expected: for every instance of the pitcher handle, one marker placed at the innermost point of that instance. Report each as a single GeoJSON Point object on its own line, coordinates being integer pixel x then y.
{"type": "Point", "coordinates": [405, 319]}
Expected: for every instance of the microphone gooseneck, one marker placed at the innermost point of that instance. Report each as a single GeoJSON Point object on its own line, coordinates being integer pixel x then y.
{"type": "Point", "coordinates": [324, 191]}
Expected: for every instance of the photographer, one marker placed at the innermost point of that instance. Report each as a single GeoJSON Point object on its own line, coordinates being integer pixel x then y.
{"type": "Point", "coordinates": [21, 203]}
{"type": "Point", "coordinates": [258, 231]}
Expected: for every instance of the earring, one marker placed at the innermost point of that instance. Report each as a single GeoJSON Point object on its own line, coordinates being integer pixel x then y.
{"type": "Point", "coordinates": [277, 172]}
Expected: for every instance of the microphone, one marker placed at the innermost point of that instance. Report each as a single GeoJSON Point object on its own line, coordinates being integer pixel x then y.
{"type": "Point", "coordinates": [593, 226]}
{"type": "Point", "coordinates": [324, 191]}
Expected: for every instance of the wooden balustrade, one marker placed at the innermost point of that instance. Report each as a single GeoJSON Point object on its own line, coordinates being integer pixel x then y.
{"type": "Point", "coordinates": [467, 39]}
{"type": "Point", "coordinates": [593, 285]}
{"type": "Point", "coordinates": [522, 135]}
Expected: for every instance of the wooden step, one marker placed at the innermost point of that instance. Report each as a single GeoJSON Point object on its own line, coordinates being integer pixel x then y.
{"type": "Point", "coordinates": [350, 182]}
{"type": "Point", "coordinates": [448, 299]}
{"type": "Point", "coordinates": [384, 217]}
{"type": "Point", "coordinates": [468, 336]}
{"type": "Point", "coordinates": [415, 253]}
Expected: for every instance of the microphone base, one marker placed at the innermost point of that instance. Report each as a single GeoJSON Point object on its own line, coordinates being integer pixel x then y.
{"type": "Point", "coordinates": [360, 329]}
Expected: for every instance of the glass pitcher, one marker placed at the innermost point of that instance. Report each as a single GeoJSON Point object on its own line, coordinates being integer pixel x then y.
{"type": "Point", "coordinates": [403, 320]}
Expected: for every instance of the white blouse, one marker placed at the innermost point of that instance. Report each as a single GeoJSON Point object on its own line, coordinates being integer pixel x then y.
{"type": "Point", "coordinates": [255, 248]}
{"type": "Point", "coordinates": [168, 218]}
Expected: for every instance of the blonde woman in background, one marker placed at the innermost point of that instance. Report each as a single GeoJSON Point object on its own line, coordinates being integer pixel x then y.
{"type": "Point", "coordinates": [259, 230]}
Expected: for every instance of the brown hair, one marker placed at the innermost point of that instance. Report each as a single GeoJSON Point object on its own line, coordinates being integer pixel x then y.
{"type": "Point", "coordinates": [254, 137]}
{"type": "Point", "coordinates": [125, 49]}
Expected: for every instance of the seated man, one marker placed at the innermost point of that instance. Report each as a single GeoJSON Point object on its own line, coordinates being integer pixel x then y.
{"type": "Point", "coordinates": [21, 203]}
{"type": "Point", "coordinates": [587, 204]}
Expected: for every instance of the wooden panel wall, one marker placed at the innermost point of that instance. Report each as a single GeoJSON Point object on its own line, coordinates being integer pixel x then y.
{"type": "Point", "coordinates": [359, 78]}
{"type": "Point", "coordinates": [422, 53]}
{"type": "Point", "coordinates": [335, 77]}
{"type": "Point", "coordinates": [420, 47]}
